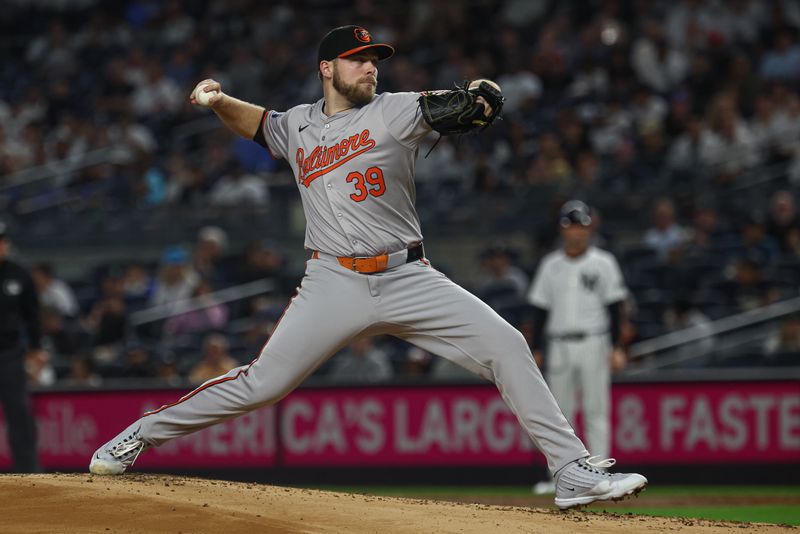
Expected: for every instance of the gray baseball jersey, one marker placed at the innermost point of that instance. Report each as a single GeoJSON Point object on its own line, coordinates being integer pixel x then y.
{"type": "Point", "coordinates": [576, 291]}
{"type": "Point", "coordinates": [355, 172]}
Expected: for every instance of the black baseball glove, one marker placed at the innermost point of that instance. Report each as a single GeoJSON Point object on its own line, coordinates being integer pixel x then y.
{"type": "Point", "coordinates": [457, 111]}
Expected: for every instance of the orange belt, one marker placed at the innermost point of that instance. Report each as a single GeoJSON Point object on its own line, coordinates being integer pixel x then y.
{"type": "Point", "coordinates": [373, 264]}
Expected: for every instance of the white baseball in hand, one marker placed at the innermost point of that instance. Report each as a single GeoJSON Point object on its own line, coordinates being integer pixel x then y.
{"type": "Point", "coordinates": [476, 83]}
{"type": "Point", "coordinates": [202, 96]}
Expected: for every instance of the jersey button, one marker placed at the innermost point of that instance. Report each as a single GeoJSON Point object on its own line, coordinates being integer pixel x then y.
{"type": "Point", "coordinates": [327, 126]}
{"type": "Point", "coordinates": [339, 215]}
{"type": "Point", "coordinates": [330, 186]}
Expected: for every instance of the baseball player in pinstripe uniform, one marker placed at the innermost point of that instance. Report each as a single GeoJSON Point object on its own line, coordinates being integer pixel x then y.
{"type": "Point", "coordinates": [352, 153]}
{"type": "Point", "coordinates": [577, 295]}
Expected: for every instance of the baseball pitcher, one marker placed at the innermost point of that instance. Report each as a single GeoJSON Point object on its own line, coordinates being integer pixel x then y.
{"type": "Point", "coordinates": [353, 154]}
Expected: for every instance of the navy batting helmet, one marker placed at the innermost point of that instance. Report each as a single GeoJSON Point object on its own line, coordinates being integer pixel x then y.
{"type": "Point", "coordinates": [575, 212]}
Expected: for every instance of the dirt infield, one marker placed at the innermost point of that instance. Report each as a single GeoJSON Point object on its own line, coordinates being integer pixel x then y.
{"type": "Point", "coordinates": [154, 504]}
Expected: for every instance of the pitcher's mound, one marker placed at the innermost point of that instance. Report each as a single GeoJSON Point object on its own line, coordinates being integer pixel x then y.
{"type": "Point", "coordinates": [150, 503]}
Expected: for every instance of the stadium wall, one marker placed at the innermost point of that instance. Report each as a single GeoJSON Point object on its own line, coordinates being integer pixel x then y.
{"type": "Point", "coordinates": [742, 431]}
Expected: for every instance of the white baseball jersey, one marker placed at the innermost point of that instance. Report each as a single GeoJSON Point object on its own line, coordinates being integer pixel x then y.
{"type": "Point", "coordinates": [355, 172]}
{"type": "Point", "coordinates": [576, 291]}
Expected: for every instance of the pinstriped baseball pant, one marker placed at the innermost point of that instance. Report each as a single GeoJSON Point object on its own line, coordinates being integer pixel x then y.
{"type": "Point", "coordinates": [414, 302]}
{"type": "Point", "coordinates": [582, 366]}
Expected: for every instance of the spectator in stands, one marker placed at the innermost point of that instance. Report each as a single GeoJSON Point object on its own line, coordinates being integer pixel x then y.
{"type": "Point", "coordinates": [138, 362]}
{"type": "Point", "coordinates": [742, 79]}
{"type": "Point", "coordinates": [573, 135]}
{"type": "Point", "coordinates": [260, 327]}
{"type": "Point", "coordinates": [550, 165]}
{"type": "Point", "coordinates": [167, 371]}
{"type": "Point", "coordinates": [520, 85]}
{"type": "Point", "coordinates": [783, 219]}
{"type": "Point", "coordinates": [416, 364]}
{"type": "Point", "coordinates": [133, 140]}
{"type": "Point", "coordinates": [107, 323]}
{"type": "Point", "coordinates": [11, 151]}
{"type": "Point", "coordinates": [261, 259]}
{"type": "Point", "coordinates": [587, 172]}
{"type": "Point", "coordinates": [209, 254]}
{"type": "Point", "coordinates": [702, 82]}
{"type": "Point", "coordinates": [682, 315]}
{"type": "Point", "coordinates": [666, 236]}
{"type": "Point", "coordinates": [656, 64]}
{"type": "Point", "coordinates": [749, 288]}
{"type": "Point", "coordinates": [212, 316]}
{"type": "Point", "coordinates": [39, 369]}
{"type": "Point", "coordinates": [61, 336]}
{"type": "Point", "coordinates": [175, 281]}
{"type": "Point", "coordinates": [736, 148]}
{"type": "Point", "coordinates": [487, 180]}
{"type": "Point", "coordinates": [707, 235]}
{"type": "Point", "coordinates": [156, 95]}
{"type": "Point", "coordinates": [115, 98]}
{"type": "Point", "coordinates": [612, 128]}
{"type": "Point", "coordinates": [82, 373]}
{"type": "Point", "coordinates": [137, 283]}
{"type": "Point", "coordinates": [648, 110]}
{"type": "Point", "coordinates": [767, 126]}
{"type": "Point", "coordinates": [53, 292]}
{"type": "Point", "coordinates": [793, 242]}
{"type": "Point", "coordinates": [754, 240]}
{"type": "Point", "coordinates": [362, 361]}
{"type": "Point", "coordinates": [692, 152]}
{"type": "Point", "coordinates": [782, 62]}
{"type": "Point", "coordinates": [186, 183]}
{"type": "Point", "coordinates": [651, 153]}
{"type": "Point", "coordinates": [216, 360]}
{"type": "Point", "coordinates": [501, 282]}
{"type": "Point", "coordinates": [786, 339]}
{"type": "Point", "coordinates": [237, 189]}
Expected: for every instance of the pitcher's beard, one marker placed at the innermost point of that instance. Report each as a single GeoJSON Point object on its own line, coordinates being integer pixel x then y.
{"type": "Point", "coordinates": [357, 93]}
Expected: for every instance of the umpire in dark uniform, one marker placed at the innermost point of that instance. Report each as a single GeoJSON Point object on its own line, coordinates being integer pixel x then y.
{"type": "Point", "coordinates": [20, 335]}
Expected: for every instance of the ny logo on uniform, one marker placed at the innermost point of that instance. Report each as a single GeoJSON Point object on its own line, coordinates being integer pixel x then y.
{"type": "Point", "coordinates": [589, 281]}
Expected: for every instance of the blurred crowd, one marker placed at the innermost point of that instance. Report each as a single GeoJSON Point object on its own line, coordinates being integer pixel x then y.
{"type": "Point", "coordinates": [601, 95]}
{"type": "Point", "coordinates": [680, 277]}
{"type": "Point", "coordinates": [637, 99]}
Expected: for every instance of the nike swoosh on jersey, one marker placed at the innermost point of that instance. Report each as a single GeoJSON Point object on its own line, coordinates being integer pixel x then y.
{"type": "Point", "coordinates": [301, 128]}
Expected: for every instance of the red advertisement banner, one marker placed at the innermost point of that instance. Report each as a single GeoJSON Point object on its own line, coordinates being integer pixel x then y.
{"type": "Point", "coordinates": [402, 427]}
{"type": "Point", "coordinates": [750, 422]}
{"type": "Point", "coordinates": [670, 423]}
{"type": "Point", "coordinates": [72, 425]}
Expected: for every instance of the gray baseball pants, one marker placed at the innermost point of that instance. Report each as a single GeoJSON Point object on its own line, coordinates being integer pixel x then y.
{"type": "Point", "coordinates": [414, 302]}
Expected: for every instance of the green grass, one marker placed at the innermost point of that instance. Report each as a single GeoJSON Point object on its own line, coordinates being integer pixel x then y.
{"type": "Point", "coordinates": [764, 513]}
{"type": "Point", "coordinates": [761, 513]}
{"type": "Point", "coordinates": [671, 491]}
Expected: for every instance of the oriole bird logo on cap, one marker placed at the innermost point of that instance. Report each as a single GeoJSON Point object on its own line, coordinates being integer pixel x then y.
{"type": "Point", "coordinates": [362, 35]}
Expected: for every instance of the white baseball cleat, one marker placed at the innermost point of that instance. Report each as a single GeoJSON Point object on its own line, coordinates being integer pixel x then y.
{"type": "Point", "coordinates": [117, 455]}
{"type": "Point", "coordinates": [586, 480]}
